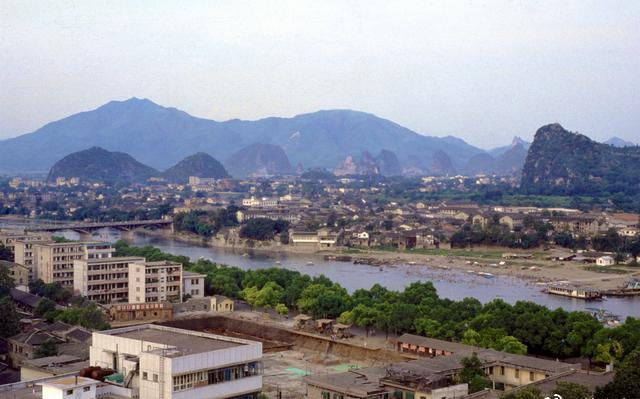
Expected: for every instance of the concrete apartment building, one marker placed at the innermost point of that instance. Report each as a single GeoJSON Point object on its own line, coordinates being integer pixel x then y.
{"type": "Point", "coordinates": [9, 237]}
{"type": "Point", "coordinates": [155, 282]}
{"type": "Point", "coordinates": [23, 254]}
{"type": "Point", "coordinates": [193, 284]}
{"type": "Point", "coordinates": [53, 261]}
{"type": "Point", "coordinates": [164, 362]}
{"type": "Point", "coordinates": [103, 280]}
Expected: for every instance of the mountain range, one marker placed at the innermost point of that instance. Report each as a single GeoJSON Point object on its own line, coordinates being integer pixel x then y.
{"type": "Point", "coordinates": [161, 136]}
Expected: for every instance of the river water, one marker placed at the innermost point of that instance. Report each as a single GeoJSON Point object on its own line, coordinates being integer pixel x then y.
{"type": "Point", "coordinates": [452, 283]}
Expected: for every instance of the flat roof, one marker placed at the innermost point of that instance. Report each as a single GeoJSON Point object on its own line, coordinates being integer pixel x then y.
{"type": "Point", "coordinates": [113, 259]}
{"type": "Point", "coordinates": [182, 341]}
{"type": "Point", "coordinates": [71, 382]}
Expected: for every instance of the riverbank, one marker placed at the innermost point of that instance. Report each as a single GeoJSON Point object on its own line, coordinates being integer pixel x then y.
{"type": "Point", "coordinates": [535, 270]}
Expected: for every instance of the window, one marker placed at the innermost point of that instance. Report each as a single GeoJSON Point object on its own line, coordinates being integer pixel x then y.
{"type": "Point", "coordinates": [501, 370]}
{"type": "Point", "coordinates": [517, 373]}
{"type": "Point", "coordinates": [69, 391]}
{"type": "Point", "coordinates": [145, 376]}
{"type": "Point", "coordinates": [86, 389]}
{"type": "Point", "coordinates": [531, 376]}
{"type": "Point", "coordinates": [155, 378]}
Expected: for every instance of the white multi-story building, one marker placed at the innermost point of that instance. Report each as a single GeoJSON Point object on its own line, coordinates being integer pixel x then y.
{"type": "Point", "coordinates": [164, 362]}
{"type": "Point", "coordinates": [103, 280]}
{"type": "Point", "coordinates": [155, 281]}
{"type": "Point", "coordinates": [53, 261]}
{"type": "Point", "coordinates": [193, 284]}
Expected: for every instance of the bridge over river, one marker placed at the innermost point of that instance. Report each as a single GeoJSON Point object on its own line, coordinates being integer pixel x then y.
{"type": "Point", "coordinates": [86, 229]}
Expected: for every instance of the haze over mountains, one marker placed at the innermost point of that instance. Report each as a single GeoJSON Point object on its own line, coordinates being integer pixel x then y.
{"type": "Point", "coordinates": [160, 137]}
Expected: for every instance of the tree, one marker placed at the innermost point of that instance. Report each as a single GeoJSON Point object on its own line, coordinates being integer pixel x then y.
{"type": "Point", "coordinates": [511, 344]}
{"type": "Point", "coordinates": [5, 253]}
{"type": "Point", "coordinates": [324, 301]}
{"type": "Point", "coordinates": [626, 382]}
{"type": "Point", "coordinates": [90, 317]}
{"type": "Point", "coordinates": [528, 392]}
{"type": "Point", "coordinates": [571, 390]}
{"type": "Point", "coordinates": [282, 309]}
{"type": "Point", "coordinates": [6, 281]}
{"type": "Point", "coordinates": [45, 305]}
{"type": "Point", "coordinates": [47, 348]}
{"type": "Point", "coordinates": [9, 318]}
{"type": "Point", "coordinates": [472, 373]}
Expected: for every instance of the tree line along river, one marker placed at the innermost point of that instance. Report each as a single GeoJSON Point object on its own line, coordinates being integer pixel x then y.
{"type": "Point", "coordinates": [450, 283]}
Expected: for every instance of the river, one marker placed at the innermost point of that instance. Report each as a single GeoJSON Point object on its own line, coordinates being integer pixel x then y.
{"type": "Point", "coordinates": [452, 283]}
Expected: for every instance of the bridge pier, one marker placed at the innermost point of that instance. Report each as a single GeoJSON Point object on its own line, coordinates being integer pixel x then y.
{"type": "Point", "coordinates": [86, 236]}
{"type": "Point", "coordinates": [126, 234]}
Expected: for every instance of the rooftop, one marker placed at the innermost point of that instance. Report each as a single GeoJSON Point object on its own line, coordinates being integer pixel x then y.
{"type": "Point", "coordinates": [184, 341]}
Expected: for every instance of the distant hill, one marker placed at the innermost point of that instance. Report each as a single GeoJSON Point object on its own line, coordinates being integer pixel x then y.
{"type": "Point", "coordinates": [511, 161]}
{"type": "Point", "coordinates": [498, 151]}
{"type": "Point", "coordinates": [160, 137]}
{"type": "Point", "coordinates": [388, 163]}
{"type": "Point", "coordinates": [259, 160]}
{"type": "Point", "coordinates": [199, 164]}
{"type": "Point", "coordinates": [561, 162]}
{"type": "Point", "coordinates": [365, 164]}
{"type": "Point", "coordinates": [618, 142]}
{"type": "Point", "coordinates": [98, 164]}
{"type": "Point", "coordinates": [441, 164]}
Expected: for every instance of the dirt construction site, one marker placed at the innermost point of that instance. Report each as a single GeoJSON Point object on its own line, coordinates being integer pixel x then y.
{"type": "Point", "coordinates": [290, 355]}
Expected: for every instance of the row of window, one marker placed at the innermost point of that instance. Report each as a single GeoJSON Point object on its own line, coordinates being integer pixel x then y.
{"type": "Point", "coordinates": [216, 376]}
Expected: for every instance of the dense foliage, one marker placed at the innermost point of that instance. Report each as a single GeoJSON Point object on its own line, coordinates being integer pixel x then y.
{"type": "Point", "coordinates": [262, 229]}
{"type": "Point", "coordinates": [204, 223]}
{"type": "Point", "coordinates": [418, 309]}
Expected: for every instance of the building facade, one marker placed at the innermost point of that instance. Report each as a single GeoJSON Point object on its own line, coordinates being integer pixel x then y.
{"type": "Point", "coordinates": [164, 362]}
{"type": "Point", "coordinates": [54, 261]}
{"type": "Point", "coordinates": [103, 280]}
{"type": "Point", "coordinates": [155, 282]}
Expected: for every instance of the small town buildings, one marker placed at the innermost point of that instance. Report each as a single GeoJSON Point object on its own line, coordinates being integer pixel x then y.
{"type": "Point", "coordinates": [155, 281]}
{"type": "Point", "coordinates": [72, 340]}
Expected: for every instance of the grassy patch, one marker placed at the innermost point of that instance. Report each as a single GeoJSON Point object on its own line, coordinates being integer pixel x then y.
{"type": "Point", "coordinates": [605, 269]}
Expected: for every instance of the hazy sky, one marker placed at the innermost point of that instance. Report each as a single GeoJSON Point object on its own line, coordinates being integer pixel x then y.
{"type": "Point", "coordinates": [482, 71]}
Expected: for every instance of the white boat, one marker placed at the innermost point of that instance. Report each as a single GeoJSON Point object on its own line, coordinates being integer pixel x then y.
{"type": "Point", "coordinates": [309, 263]}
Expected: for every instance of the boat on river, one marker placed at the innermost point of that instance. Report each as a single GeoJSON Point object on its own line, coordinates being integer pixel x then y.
{"type": "Point", "coordinates": [573, 291]}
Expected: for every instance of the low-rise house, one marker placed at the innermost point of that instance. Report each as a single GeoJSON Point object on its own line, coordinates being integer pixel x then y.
{"type": "Point", "coordinates": [605, 261]}
{"type": "Point", "coordinates": [51, 366]}
{"type": "Point", "coordinates": [19, 273]}
{"type": "Point", "coordinates": [72, 340]}
{"type": "Point", "coordinates": [512, 220]}
{"type": "Point", "coordinates": [220, 303]}
{"type": "Point", "coordinates": [128, 312]}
